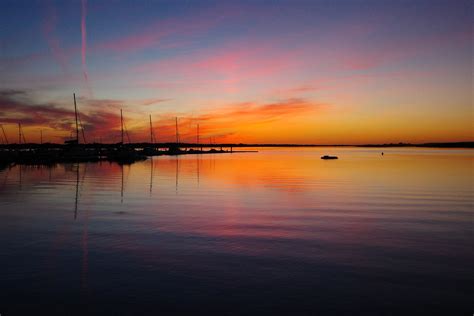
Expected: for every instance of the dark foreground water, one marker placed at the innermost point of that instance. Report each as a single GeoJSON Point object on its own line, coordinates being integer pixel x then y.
{"type": "Point", "coordinates": [275, 232]}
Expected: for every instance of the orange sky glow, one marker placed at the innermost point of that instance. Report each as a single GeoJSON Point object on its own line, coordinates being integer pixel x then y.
{"type": "Point", "coordinates": [305, 73]}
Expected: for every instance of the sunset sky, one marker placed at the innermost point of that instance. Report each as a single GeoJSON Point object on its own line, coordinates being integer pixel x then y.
{"type": "Point", "coordinates": [320, 72]}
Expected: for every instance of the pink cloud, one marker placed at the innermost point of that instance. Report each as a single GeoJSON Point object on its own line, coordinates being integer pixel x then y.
{"type": "Point", "coordinates": [229, 67]}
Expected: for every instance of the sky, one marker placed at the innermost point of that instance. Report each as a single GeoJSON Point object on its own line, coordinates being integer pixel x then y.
{"type": "Point", "coordinates": [303, 72]}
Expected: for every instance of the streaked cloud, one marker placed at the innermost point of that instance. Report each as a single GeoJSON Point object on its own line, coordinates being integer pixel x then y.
{"type": "Point", "coordinates": [84, 45]}
{"type": "Point", "coordinates": [49, 27]}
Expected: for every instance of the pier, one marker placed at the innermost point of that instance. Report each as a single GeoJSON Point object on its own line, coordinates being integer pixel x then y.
{"type": "Point", "coordinates": [48, 153]}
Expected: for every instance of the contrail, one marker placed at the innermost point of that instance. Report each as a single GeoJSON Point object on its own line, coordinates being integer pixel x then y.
{"type": "Point", "coordinates": [84, 44]}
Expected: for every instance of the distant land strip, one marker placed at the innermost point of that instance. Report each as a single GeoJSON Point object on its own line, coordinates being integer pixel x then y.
{"type": "Point", "coordinates": [194, 145]}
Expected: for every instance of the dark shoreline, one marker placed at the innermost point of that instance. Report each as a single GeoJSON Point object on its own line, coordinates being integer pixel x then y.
{"type": "Point", "coordinates": [229, 145]}
{"type": "Point", "coordinates": [128, 153]}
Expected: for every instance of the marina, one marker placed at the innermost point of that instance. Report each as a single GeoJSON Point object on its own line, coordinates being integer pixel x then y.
{"type": "Point", "coordinates": [73, 150]}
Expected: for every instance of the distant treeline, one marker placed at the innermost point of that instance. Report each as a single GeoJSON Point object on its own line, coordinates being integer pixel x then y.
{"type": "Point", "coordinates": [432, 145]}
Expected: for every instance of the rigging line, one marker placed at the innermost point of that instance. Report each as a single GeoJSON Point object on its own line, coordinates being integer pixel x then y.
{"type": "Point", "coordinates": [4, 134]}
{"type": "Point", "coordinates": [126, 132]}
{"type": "Point", "coordinates": [23, 135]}
{"type": "Point", "coordinates": [82, 128]}
{"type": "Point", "coordinates": [153, 136]}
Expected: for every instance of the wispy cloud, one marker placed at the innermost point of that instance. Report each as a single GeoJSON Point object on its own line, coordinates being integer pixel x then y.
{"type": "Point", "coordinates": [168, 33]}
{"type": "Point", "coordinates": [49, 31]}
{"type": "Point", "coordinates": [153, 101]}
{"type": "Point", "coordinates": [119, 103]}
{"type": "Point", "coordinates": [84, 45]}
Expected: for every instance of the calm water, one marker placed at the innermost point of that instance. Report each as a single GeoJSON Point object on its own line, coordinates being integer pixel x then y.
{"type": "Point", "coordinates": [279, 231]}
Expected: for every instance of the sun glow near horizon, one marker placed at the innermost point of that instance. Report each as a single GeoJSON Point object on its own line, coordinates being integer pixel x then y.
{"type": "Point", "coordinates": [304, 73]}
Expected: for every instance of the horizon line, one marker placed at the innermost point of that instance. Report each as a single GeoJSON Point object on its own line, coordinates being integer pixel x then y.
{"type": "Point", "coordinates": [461, 144]}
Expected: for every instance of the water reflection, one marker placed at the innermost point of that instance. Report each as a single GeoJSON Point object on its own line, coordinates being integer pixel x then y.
{"type": "Point", "coordinates": [177, 173]}
{"type": "Point", "coordinates": [77, 191]}
{"type": "Point", "coordinates": [121, 187]}
{"type": "Point", "coordinates": [152, 166]}
{"type": "Point", "coordinates": [278, 229]}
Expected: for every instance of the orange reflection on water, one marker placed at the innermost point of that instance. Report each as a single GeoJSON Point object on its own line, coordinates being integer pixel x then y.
{"type": "Point", "coordinates": [280, 194]}
{"type": "Point", "coordinates": [273, 194]}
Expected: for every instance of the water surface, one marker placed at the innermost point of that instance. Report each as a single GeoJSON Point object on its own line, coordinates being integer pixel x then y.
{"type": "Point", "coordinates": [277, 232]}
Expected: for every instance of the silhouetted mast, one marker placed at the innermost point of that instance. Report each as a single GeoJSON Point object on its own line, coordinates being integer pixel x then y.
{"type": "Point", "coordinates": [21, 134]}
{"type": "Point", "coordinates": [121, 124]}
{"type": "Point", "coordinates": [177, 132]}
{"type": "Point", "coordinates": [197, 135]}
{"type": "Point", "coordinates": [151, 131]}
{"type": "Point", "coordinates": [77, 125]}
{"type": "Point", "coordinates": [41, 136]}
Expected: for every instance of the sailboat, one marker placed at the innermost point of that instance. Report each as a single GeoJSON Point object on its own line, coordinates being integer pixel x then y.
{"type": "Point", "coordinates": [75, 152]}
{"type": "Point", "coordinates": [175, 149]}
{"type": "Point", "coordinates": [123, 153]}
{"type": "Point", "coordinates": [151, 149]}
{"type": "Point", "coordinates": [74, 141]}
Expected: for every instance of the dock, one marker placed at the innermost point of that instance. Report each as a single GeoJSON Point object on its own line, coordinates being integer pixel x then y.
{"type": "Point", "coordinates": [121, 153]}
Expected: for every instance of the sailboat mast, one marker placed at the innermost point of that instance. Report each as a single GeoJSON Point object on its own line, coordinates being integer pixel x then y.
{"type": "Point", "coordinates": [22, 133]}
{"type": "Point", "coordinates": [151, 131]}
{"type": "Point", "coordinates": [197, 135]}
{"type": "Point", "coordinates": [77, 125]}
{"type": "Point", "coordinates": [19, 133]}
{"type": "Point", "coordinates": [177, 133]}
{"type": "Point", "coordinates": [121, 124]}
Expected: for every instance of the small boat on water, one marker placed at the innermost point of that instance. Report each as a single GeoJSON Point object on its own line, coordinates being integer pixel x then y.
{"type": "Point", "coordinates": [326, 157]}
